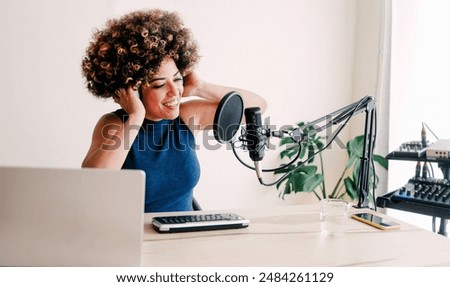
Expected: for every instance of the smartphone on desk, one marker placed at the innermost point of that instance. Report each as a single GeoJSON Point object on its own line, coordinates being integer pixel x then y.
{"type": "Point", "coordinates": [376, 221]}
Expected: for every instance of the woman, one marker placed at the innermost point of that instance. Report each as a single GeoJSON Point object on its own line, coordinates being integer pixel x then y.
{"type": "Point", "coordinates": [145, 61]}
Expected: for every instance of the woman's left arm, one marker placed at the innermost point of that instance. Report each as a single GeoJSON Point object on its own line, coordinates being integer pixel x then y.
{"type": "Point", "coordinates": [199, 114]}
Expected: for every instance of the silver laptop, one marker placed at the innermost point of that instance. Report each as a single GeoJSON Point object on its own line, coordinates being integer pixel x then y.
{"type": "Point", "coordinates": [71, 217]}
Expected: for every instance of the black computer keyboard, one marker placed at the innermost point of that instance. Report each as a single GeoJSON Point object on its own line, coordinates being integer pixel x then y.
{"type": "Point", "coordinates": [199, 222]}
{"type": "Point", "coordinates": [432, 192]}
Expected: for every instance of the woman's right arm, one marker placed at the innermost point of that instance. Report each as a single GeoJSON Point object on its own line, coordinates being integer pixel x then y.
{"type": "Point", "coordinates": [112, 138]}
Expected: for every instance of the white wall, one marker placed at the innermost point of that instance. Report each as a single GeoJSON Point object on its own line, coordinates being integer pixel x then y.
{"type": "Point", "coordinates": [47, 116]}
{"type": "Point", "coordinates": [299, 55]}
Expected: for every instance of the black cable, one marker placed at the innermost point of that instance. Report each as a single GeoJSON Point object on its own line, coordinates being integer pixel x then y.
{"type": "Point", "coordinates": [433, 220]}
{"type": "Point", "coordinates": [374, 184]}
{"type": "Point", "coordinates": [270, 169]}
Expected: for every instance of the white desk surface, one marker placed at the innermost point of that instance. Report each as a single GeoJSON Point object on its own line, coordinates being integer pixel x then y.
{"type": "Point", "coordinates": [290, 236]}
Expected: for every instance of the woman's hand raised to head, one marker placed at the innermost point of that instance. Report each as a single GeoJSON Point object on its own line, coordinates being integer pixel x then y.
{"type": "Point", "coordinates": [129, 100]}
{"type": "Point", "coordinates": [192, 85]}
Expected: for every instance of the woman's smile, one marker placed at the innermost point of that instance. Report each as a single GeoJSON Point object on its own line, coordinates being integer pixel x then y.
{"type": "Point", "coordinates": [173, 103]}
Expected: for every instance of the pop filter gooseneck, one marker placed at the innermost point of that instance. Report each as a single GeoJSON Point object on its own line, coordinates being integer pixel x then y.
{"type": "Point", "coordinates": [228, 116]}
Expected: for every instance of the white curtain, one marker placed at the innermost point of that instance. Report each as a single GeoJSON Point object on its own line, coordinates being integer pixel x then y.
{"type": "Point", "coordinates": [419, 90]}
{"type": "Point", "coordinates": [382, 94]}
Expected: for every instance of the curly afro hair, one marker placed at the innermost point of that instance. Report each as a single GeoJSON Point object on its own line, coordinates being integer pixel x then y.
{"type": "Point", "coordinates": [130, 50]}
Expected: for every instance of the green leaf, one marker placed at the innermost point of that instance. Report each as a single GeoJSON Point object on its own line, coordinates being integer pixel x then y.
{"type": "Point", "coordinates": [381, 161]}
{"type": "Point", "coordinates": [351, 188]}
{"type": "Point", "coordinates": [286, 141]}
{"type": "Point", "coordinates": [306, 178]}
{"type": "Point", "coordinates": [301, 124]}
{"type": "Point", "coordinates": [287, 189]}
{"type": "Point", "coordinates": [311, 153]}
{"type": "Point", "coordinates": [354, 150]}
{"type": "Point", "coordinates": [320, 145]}
{"type": "Point", "coordinates": [355, 172]}
{"type": "Point", "coordinates": [310, 183]}
{"type": "Point", "coordinates": [289, 152]}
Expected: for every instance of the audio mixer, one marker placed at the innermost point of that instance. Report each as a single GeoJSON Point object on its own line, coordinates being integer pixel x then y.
{"type": "Point", "coordinates": [432, 192]}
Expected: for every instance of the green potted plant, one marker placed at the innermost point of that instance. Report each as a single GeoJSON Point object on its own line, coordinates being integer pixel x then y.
{"type": "Point", "coordinates": [309, 177]}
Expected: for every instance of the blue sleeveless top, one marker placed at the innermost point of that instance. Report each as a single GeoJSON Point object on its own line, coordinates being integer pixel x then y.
{"type": "Point", "coordinates": [165, 151]}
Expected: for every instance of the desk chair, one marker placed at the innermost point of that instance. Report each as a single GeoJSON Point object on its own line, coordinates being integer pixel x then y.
{"type": "Point", "coordinates": [196, 205]}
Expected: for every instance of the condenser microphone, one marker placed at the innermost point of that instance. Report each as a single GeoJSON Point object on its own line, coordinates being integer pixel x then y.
{"type": "Point", "coordinates": [255, 138]}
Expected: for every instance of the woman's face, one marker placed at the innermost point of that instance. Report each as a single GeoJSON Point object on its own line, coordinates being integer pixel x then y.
{"type": "Point", "coordinates": [162, 95]}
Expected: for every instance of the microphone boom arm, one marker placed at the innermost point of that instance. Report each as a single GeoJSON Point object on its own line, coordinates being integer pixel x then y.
{"type": "Point", "coordinates": [367, 105]}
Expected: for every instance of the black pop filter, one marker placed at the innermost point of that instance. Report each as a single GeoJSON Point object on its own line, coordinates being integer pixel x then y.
{"type": "Point", "coordinates": [227, 119]}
